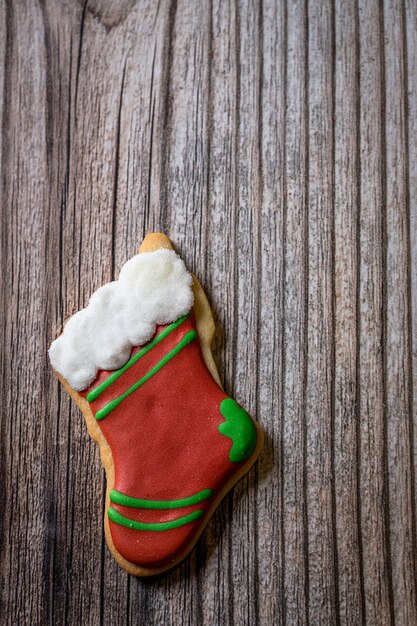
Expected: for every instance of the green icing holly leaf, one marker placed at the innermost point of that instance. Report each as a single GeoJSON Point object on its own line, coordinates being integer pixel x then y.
{"type": "Point", "coordinates": [240, 428]}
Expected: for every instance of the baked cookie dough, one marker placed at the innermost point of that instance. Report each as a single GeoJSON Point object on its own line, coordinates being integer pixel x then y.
{"type": "Point", "coordinates": [137, 361]}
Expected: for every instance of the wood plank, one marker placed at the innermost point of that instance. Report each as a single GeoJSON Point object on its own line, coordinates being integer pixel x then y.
{"type": "Point", "coordinates": [270, 371]}
{"type": "Point", "coordinates": [411, 147]}
{"type": "Point", "coordinates": [320, 349]}
{"type": "Point", "coordinates": [377, 577]}
{"type": "Point", "coordinates": [293, 447]}
{"type": "Point", "coordinates": [243, 525]}
{"type": "Point", "coordinates": [27, 314]}
{"type": "Point", "coordinates": [346, 306]}
{"type": "Point", "coordinates": [397, 330]}
{"type": "Point", "coordinates": [222, 274]}
{"type": "Point", "coordinates": [143, 105]}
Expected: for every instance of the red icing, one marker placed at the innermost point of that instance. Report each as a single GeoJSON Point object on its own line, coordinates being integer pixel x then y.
{"type": "Point", "coordinates": [165, 444]}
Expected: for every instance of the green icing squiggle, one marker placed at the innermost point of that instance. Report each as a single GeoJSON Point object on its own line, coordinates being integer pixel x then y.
{"type": "Point", "coordinates": [113, 404]}
{"type": "Point", "coordinates": [238, 427]}
{"type": "Point", "coordinates": [96, 393]}
{"type": "Point", "coordinates": [117, 518]}
{"type": "Point", "coordinates": [138, 503]}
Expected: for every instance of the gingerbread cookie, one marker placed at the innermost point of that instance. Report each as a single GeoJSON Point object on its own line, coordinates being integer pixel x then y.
{"type": "Point", "coordinates": [137, 361]}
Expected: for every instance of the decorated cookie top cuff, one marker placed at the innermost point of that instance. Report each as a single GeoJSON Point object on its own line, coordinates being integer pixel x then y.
{"type": "Point", "coordinates": [153, 288]}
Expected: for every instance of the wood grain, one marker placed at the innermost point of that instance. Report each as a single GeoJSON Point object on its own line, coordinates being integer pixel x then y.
{"type": "Point", "coordinates": [275, 143]}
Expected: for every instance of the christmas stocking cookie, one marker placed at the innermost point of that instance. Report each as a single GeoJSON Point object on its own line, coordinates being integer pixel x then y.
{"type": "Point", "coordinates": [137, 361]}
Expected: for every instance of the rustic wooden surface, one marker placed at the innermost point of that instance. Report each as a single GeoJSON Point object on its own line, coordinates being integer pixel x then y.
{"type": "Point", "coordinates": [276, 143]}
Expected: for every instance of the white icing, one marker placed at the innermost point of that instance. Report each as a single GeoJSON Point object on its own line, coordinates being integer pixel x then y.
{"type": "Point", "coordinates": [153, 288]}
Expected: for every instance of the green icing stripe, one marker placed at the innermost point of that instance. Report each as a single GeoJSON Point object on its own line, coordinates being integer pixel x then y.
{"type": "Point", "coordinates": [110, 406]}
{"type": "Point", "coordinates": [137, 503]}
{"type": "Point", "coordinates": [117, 518]}
{"type": "Point", "coordinates": [96, 393]}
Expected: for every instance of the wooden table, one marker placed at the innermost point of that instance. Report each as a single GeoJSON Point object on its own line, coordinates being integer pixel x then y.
{"type": "Point", "coordinates": [275, 142]}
